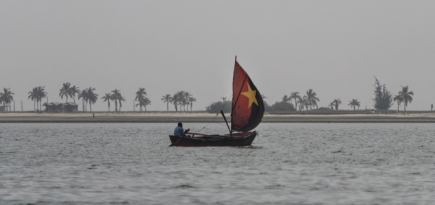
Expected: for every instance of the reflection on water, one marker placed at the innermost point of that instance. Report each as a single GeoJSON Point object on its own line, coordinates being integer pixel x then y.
{"type": "Point", "coordinates": [287, 164]}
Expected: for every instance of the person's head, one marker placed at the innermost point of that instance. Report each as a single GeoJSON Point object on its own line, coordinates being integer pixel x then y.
{"type": "Point", "coordinates": [180, 124]}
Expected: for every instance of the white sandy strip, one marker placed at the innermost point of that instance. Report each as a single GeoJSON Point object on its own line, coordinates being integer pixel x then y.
{"type": "Point", "coordinates": [204, 115]}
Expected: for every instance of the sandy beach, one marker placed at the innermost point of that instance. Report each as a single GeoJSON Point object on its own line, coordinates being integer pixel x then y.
{"type": "Point", "coordinates": [204, 117]}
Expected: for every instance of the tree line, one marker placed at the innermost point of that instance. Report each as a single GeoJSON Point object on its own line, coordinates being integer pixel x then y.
{"type": "Point", "coordinates": [181, 99]}
{"type": "Point", "coordinates": [384, 99]}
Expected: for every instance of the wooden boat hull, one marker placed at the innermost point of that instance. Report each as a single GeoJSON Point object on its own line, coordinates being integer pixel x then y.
{"type": "Point", "coordinates": [238, 139]}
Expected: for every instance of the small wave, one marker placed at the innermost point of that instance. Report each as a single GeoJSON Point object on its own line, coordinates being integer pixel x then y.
{"type": "Point", "coordinates": [184, 186]}
{"type": "Point", "coordinates": [249, 147]}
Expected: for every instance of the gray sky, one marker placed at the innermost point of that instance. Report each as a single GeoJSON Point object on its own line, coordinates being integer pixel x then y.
{"type": "Point", "coordinates": [333, 47]}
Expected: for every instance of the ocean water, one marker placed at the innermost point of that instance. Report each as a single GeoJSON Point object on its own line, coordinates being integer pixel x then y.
{"type": "Point", "coordinates": [287, 164]}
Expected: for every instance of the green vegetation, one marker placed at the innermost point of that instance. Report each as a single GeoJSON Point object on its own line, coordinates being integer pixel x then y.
{"type": "Point", "coordinates": [311, 98]}
{"type": "Point", "coordinates": [84, 96]}
{"type": "Point", "coordinates": [36, 95]}
{"type": "Point", "coordinates": [383, 98]}
{"type": "Point", "coordinates": [117, 97]}
{"type": "Point", "coordinates": [354, 103]}
{"type": "Point", "coordinates": [87, 96]}
{"type": "Point", "coordinates": [405, 96]}
{"type": "Point", "coordinates": [216, 107]}
{"type": "Point", "coordinates": [107, 99]}
{"type": "Point", "coordinates": [91, 96]}
{"type": "Point", "coordinates": [282, 106]}
{"type": "Point", "coordinates": [6, 97]}
{"type": "Point", "coordinates": [143, 100]}
{"type": "Point", "coordinates": [296, 97]}
{"type": "Point", "coordinates": [65, 91]}
{"type": "Point", "coordinates": [335, 103]}
{"type": "Point", "coordinates": [181, 98]}
{"type": "Point", "coordinates": [167, 99]}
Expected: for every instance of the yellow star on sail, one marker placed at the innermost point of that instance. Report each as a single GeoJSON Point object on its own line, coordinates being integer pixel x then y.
{"type": "Point", "coordinates": [251, 95]}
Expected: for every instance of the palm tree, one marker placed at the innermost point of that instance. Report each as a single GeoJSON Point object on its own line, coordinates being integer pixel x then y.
{"type": "Point", "coordinates": [115, 96]}
{"type": "Point", "coordinates": [84, 96]}
{"type": "Point", "coordinates": [141, 103]}
{"type": "Point", "coordinates": [120, 100]}
{"type": "Point", "coordinates": [167, 99]}
{"type": "Point", "coordinates": [263, 96]}
{"type": "Point", "coordinates": [178, 99]}
{"type": "Point", "coordinates": [336, 102]}
{"type": "Point", "coordinates": [311, 97]}
{"type": "Point", "coordinates": [191, 100]}
{"type": "Point", "coordinates": [92, 97]}
{"type": "Point", "coordinates": [285, 98]}
{"type": "Point", "coordinates": [301, 104]}
{"type": "Point", "coordinates": [144, 102]}
{"type": "Point", "coordinates": [107, 98]}
{"type": "Point", "coordinates": [406, 96]}
{"type": "Point", "coordinates": [175, 100]}
{"type": "Point", "coordinates": [40, 93]}
{"type": "Point", "coordinates": [73, 91]}
{"type": "Point", "coordinates": [331, 105]}
{"type": "Point", "coordinates": [305, 102]}
{"type": "Point", "coordinates": [399, 100]}
{"type": "Point", "coordinates": [140, 95]}
{"type": "Point", "coordinates": [182, 101]}
{"type": "Point", "coordinates": [6, 97]}
{"type": "Point", "coordinates": [65, 91]}
{"type": "Point", "coordinates": [33, 96]}
{"type": "Point", "coordinates": [354, 103]}
{"type": "Point", "coordinates": [296, 97]}
{"type": "Point", "coordinates": [186, 96]}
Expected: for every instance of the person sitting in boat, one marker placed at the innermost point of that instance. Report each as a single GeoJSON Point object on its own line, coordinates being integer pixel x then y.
{"type": "Point", "coordinates": [179, 131]}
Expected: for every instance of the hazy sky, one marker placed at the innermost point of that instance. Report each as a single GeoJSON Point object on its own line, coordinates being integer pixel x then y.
{"type": "Point", "coordinates": [333, 47]}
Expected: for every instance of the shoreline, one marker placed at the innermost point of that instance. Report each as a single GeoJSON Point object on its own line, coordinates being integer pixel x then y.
{"type": "Point", "coordinates": [207, 118]}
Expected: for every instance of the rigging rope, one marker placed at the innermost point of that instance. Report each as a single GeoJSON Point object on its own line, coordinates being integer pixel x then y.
{"type": "Point", "coordinates": [217, 114]}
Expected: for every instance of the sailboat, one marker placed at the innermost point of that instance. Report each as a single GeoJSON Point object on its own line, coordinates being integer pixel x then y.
{"type": "Point", "coordinates": [246, 114]}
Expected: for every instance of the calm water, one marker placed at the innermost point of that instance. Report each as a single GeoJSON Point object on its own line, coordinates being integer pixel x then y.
{"type": "Point", "coordinates": [287, 164]}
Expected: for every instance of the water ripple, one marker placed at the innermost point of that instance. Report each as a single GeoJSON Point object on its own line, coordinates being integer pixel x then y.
{"type": "Point", "coordinates": [287, 164]}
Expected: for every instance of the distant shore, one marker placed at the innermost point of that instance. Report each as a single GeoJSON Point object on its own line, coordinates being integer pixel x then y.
{"type": "Point", "coordinates": [101, 117]}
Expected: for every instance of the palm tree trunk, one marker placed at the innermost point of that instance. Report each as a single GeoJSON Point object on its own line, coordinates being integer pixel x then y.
{"type": "Point", "coordinates": [90, 106]}
{"type": "Point", "coordinates": [83, 104]}
{"type": "Point", "coordinates": [167, 106]}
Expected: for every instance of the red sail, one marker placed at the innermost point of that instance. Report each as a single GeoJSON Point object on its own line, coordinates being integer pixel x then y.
{"type": "Point", "coordinates": [248, 108]}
